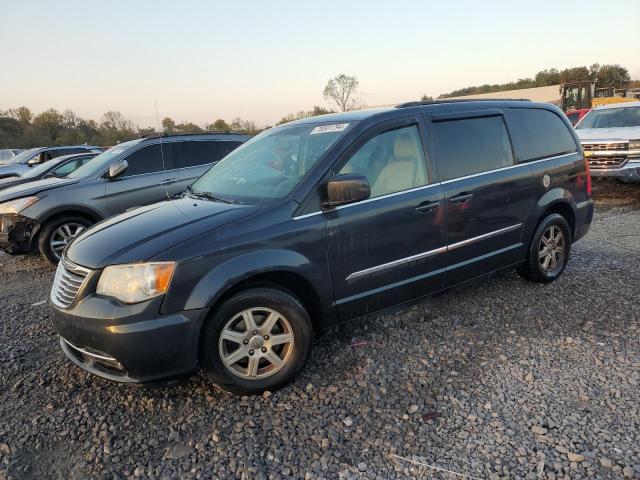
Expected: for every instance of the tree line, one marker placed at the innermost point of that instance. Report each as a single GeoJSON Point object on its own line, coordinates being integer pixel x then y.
{"type": "Point", "coordinates": [605, 74]}
{"type": "Point", "coordinates": [21, 128]}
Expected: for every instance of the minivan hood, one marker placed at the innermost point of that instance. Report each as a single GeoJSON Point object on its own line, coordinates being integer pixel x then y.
{"type": "Point", "coordinates": [144, 232]}
{"type": "Point", "coordinates": [34, 188]}
{"type": "Point", "coordinates": [621, 133]}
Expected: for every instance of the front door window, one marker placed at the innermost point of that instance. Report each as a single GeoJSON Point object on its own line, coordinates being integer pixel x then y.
{"type": "Point", "coordinates": [392, 161]}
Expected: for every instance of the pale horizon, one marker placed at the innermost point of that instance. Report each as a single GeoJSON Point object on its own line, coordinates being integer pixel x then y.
{"type": "Point", "coordinates": [202, 61]}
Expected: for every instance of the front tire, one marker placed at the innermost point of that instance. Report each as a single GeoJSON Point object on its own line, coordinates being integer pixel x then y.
{"type": "Point", "coordinates": [257, 340]}
{"type": "Point", "coordinates": [549, 250]}
{"type": "Point", "coordinates": [57, 234]}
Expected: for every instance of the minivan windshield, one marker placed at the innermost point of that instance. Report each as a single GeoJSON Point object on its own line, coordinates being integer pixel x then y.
{"type": "Point", "coordinates": [611, 118]}
{"type": "Point", "coordinates": [270, 165]}
{"type": "Point", "coordinates": [101, 163]}
{"type": "Point", "coordinates": [22, 157]}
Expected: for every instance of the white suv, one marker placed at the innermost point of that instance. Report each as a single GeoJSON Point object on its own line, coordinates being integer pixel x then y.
{"type": "Point", "coordinates": [610, 137]}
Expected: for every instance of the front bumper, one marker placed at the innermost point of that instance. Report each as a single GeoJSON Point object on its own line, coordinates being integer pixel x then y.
{"type": "Point", "coordinates": [129, 343]}
{"type": "Point", "coordinates": [17, 233]}
{"type": "Point", "coordinates": [630, 171]}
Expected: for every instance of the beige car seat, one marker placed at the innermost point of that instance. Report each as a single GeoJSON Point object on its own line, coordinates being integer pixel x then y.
{"type": "Point", "coordinates": [404, 170]}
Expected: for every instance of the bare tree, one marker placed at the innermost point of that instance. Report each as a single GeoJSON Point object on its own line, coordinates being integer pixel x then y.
{"type": "Point", "coordinates": [114, 120]}
{"type": "Point", "coordinates": [342, 91]}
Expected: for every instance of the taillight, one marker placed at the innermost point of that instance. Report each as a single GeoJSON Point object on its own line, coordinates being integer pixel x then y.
{"type": "Point", "coordinates": [587, 170]}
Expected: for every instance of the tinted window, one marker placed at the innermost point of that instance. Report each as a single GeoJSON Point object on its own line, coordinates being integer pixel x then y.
{"type": "Point", "coordinates": [84, 160]}
{"type": "Point", "coordinates": [392, 161]}
{"type": "Point", "coordinates": [66, 169]}
{"type": "Point", "coordinates": [145, 160]}
{"type": "Point", "coordinates": [539, 133]}
{"type": "Point", "coordinates": [203, 152]}
{"type": "Point", "coordinates": [472, 145]}
{"type": "Point", "coordinates": [99, 164]}
{"type": "Point", "coordinates": [71, 151]}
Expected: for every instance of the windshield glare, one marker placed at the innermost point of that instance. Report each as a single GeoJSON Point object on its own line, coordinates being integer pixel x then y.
{"type": "Point", "coordinates": [611, 118]}
{"type": "Point", "coordinates": [22, 157]}
{"type": "Point", "coordinates": [101, 163]}
{"type": "Point", "coordinates": [271, 164]}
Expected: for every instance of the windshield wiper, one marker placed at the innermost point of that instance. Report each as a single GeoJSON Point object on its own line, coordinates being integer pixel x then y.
{"type": "Point", "coordinates": [209, 196]}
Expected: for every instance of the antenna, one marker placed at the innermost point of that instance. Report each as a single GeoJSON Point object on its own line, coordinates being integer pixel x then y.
{"type": "Point", "coordinates": [164, 167]}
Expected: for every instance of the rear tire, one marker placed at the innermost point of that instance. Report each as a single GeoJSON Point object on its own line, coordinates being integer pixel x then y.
{"type": "Point", "coordinates": [549, 250]}
{"type": "Point", "coordinates": [257, 340]}
{"type": "Point", "coordinates": [57, 234]}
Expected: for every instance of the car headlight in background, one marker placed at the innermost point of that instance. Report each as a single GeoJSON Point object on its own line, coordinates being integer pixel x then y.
{"type": "Point", "coordinates": [16, 206]}
{"type": "Point", "coordinates": [634, 145]}
{"type": "Point", "coordinates": [136, 282]}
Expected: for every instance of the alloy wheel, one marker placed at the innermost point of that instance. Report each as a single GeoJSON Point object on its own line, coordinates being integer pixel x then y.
{"type": "Point", "coordinates": [552, 250]}
{"type": "Point", "coordinates": [256, 343]}
{"type": "Point", "coordinates": [63, 235]}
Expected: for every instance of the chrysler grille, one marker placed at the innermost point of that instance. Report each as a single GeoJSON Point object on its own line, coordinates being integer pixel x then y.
{"type": "Point", "coordinates": [67, 283]}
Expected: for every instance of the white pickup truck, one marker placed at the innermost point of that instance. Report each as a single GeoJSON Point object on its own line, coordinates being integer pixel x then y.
{"type": "Point", "coordinates": [610, 137]}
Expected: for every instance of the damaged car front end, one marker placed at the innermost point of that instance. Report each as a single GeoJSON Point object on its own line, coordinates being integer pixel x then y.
{"type": "Point", "coordinates": [17, 232]}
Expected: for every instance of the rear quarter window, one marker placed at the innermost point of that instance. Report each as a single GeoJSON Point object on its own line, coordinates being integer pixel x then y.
{"type": "Point", "coordinates": [538, 134]}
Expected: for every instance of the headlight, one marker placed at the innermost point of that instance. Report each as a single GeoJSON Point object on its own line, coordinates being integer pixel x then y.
{"type": "Point", "coordinates": [634, 144]}
{"type": "Point", "coordinates": [16, 206]}
{"type": "Point", "coordinates": [136, 282]}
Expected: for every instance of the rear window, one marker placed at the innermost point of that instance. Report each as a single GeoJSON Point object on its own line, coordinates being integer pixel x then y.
{"type": "Point", "coordinates": [472, 145]}
{"type": "Point", "coordinates": [539, 133]}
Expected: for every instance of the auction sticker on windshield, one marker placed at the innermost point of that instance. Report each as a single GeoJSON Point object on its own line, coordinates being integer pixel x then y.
{"type": "Point", "coordinates": [334, 127]}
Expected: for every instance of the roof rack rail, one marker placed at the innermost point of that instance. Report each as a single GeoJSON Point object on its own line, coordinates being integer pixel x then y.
{"type": "Point", "coordinates": [460, 100]}
{"type": "Point", "coordinates": [177, 134]}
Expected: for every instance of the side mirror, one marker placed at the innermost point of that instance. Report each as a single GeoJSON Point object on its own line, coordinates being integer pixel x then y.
{"type": "Point", "coordinates": [35, 161]}
{"type": "Point", "coordinates": [347, 188]}
{"type": "Point", "coordinates": [117, 168]}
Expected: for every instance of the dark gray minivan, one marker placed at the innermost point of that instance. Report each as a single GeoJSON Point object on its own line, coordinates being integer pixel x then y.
{"type": "Point", "coordinates": [45, 215]}
{"type": "Point", "coordinates": [316, 222]}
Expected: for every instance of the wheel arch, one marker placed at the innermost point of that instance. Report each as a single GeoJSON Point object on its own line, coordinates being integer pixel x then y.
{"type": "Point", "coordinates": [285, 280]}
{"type": "Point", "coordinates": [64, 211]}
{"type": "Point", "coordinates": [287, 270]}
{"type": "Point", "coordinates": [72, 210]}
{"type": "Point", "coordinates": [558, 200]}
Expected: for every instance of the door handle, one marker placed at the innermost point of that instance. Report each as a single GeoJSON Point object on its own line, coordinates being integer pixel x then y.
{"type": "Point", "coordinates": [426, 207]}
{"type": "Point", "coordinates": [461, 198]}
{"type": "Point", "coordinates": [168, 181]}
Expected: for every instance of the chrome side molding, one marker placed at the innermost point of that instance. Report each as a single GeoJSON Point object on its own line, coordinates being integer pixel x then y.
{"type": "Point", "coordinates": [419, 256]}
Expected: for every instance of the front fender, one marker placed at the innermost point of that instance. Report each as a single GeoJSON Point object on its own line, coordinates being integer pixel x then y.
{"type": "Point", "coordinates": [213, 285]}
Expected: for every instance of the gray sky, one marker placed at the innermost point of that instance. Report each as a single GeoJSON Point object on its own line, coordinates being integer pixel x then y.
{"type": "Point", "coordinates": [262, 60]}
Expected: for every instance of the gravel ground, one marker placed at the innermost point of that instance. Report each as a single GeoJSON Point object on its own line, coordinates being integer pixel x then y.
{"type": "Point", "coordinates": [499, 379]}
